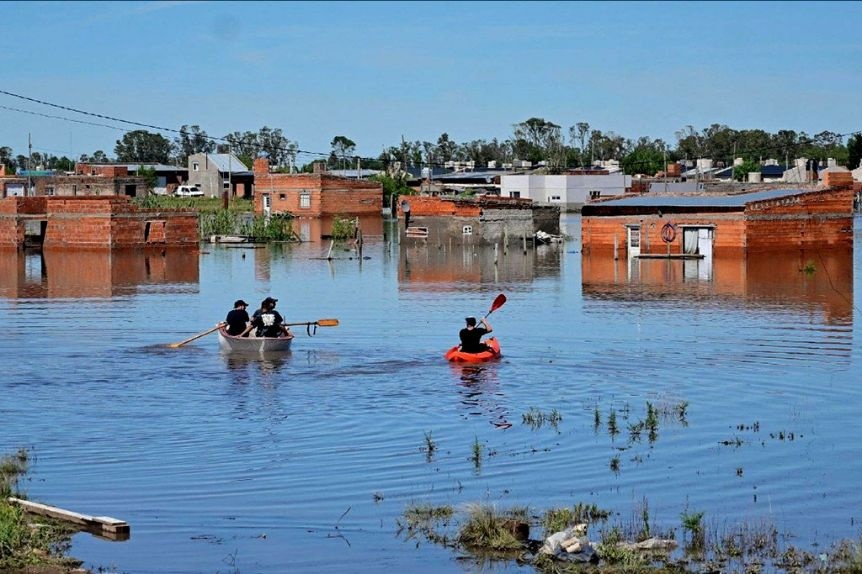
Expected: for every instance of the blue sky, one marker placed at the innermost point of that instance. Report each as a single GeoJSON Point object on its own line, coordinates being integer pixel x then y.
{"type": "Point", "coordinates": [376, 71]}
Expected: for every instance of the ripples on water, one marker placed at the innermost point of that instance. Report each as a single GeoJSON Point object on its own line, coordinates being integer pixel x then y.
{"type": "Point", "coordinates": [304, 461]}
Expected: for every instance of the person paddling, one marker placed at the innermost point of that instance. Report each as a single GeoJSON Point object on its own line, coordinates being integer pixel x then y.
{"type": "Point", "coordinates": [268, 322]}
{"type": "Point", "coordinates": [237, 319]}
{"type": "Point", "coordinates": [471, 336]}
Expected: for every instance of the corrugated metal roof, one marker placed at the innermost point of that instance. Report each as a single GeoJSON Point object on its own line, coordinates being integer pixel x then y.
{"type": "Point", "coordinates": [156, 166]}
{"type": "Point", "coordinates": [717, 200]}
{"type": "Point", "coordinates": [227, 162]}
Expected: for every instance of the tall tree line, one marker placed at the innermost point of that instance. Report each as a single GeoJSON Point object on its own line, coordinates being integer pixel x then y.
{"type": "Point", "coordinates": [535, 140]}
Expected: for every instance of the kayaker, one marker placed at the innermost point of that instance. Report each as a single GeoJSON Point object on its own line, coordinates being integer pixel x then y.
{"type": "Point", "coordinates": [268, 322]}
{"type": "Point", "coordinates": [237, 319]}
{"type": "Point", "coordinates": [471, 336]}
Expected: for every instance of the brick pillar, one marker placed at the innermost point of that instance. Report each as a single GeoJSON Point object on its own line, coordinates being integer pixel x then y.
{"type": "Point", "coordinates": [261, 165]}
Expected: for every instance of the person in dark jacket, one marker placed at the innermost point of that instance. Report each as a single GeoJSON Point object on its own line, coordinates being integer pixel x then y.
{"type": "Point", "coordinates": [268, 322]}
{"type": "Point", "coordinates": [237, 319]}
{"type": "Point", "coordinates": [471, 336]}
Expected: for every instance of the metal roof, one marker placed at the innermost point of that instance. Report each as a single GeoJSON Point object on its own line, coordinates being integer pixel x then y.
{"type": "Point", "coordinates": [706, 200]}
{"type": "Point", "coordinates": [227, 162]}
{"type": "Point", "coordinates": [155, 166]}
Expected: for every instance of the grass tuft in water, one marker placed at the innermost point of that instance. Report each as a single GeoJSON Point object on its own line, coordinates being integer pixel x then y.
{"type": "Point", "coordinates": [477, 453]}
{"type": "Point", "coordinates": [488, 529]}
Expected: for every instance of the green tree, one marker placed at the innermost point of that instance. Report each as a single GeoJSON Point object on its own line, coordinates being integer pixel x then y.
{"type": "Point", "coordinates": [150, 178]}
{"type": "Point", "coordinates": [539, 140]}
{"type": "Point", "coordinates": [854, 151]}
{"type": "Point", "coordinates": [6, 157]}
{"type": "Point", "coordinates": [192, 140]}
{"type": "Point", "coordinates": [646, 157]}
{"type": "Point", "coordinates": [143, 146]}
{"type": "Point", "coordinates": [342, 146]}
{"type": "Point", "coordinates": [393, 186]}
{"type": "Point", "coordinates": [740, 172]}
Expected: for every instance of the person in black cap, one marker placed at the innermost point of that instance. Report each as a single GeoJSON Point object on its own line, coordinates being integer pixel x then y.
{"type": "Point", "coordinates": [237, 319]}
{"type": "Point", "coordinates": [471, 336]}
{"type": "Point", "coordinates": [268, 322]}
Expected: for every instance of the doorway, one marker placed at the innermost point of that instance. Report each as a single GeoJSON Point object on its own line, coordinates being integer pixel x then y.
{"type": "Point", "coordinates": [633, 240]}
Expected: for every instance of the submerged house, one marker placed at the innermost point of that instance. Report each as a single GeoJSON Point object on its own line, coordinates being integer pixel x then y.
{"type": "Point", "coordinates": [482, 220]}
{"type": "Point", "coordinates": [92, 222]}
{"type": "Point", "coordinates": [316, 200]}
{"type": "Point", "coordinates": [707, 225]}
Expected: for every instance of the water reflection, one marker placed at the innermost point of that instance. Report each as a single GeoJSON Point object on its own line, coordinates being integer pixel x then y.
{"type": "Point", "coordinates": [447, 268]}
{"type": "Point", "coordinates": [479, 388]}
{"type": "Point", "coordinates": [807, 281]}
{"type": "Point", "coordinates": [241, 365]}
{"type": "Point", "coordinates": [61, 273]}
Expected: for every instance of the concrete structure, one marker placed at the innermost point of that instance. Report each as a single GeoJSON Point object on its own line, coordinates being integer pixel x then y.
{"type": "Point", "coordinates": [317, 196]}
{"type": "Point", "coordinates": [482, 220]}
{"type": "Point", "coordinates": [92, 222]}
{"type": "Point", "coordinates": [569, 192]}
{"type": "Point", "coordinates": [216, 173]}
{"type": "Point", "coordinates": [712, 224]}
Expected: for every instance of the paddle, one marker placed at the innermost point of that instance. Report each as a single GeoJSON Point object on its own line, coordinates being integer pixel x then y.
{"type": "Point", "coordinates": [498, 302]}
{"type": "Point", "coordinates": [318, 323]}
{"type": "Point", "coordinates": [198, 336]}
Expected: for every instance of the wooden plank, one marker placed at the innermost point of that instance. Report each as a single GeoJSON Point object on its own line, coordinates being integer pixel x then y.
{"type": "Point", "coordinates": [103, 523]}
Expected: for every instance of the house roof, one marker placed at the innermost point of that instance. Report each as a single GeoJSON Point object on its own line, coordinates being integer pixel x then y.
{"type": "Point", "coordinates": [478, 176]}
{"type": "Point", "coordinates": [155, 166]}
{"type": "Point", "coordinates": [351, 173]}
{"type": "Point", "coordinates": [227, 162]}
{"type": "Point", "coordinates": [698, 201]}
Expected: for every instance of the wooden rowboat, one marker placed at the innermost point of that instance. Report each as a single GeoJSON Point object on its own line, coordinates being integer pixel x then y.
{"type": "Point", "coordinates": [229, 343]}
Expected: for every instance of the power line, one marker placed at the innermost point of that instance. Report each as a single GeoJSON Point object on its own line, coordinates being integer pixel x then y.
{"type": "Point", "coordinates": [139, 124]}
{"type": "Point", "coordinates": [62, 118]}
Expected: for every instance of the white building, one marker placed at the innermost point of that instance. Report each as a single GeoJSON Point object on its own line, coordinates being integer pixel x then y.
{"type": "Point", "coordinates": [570, 192]}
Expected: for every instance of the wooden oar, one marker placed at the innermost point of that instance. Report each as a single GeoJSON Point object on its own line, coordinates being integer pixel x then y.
{"type": "Point", "coordinates": [319, 323]}
{"type": "Point", "coordinates": [316, 324]}
{"type": "Point", "coordinates": [198, 336]}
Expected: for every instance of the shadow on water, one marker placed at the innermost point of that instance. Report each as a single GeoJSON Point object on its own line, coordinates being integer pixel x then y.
{"type": "Point", "coordinates": [479, 387]}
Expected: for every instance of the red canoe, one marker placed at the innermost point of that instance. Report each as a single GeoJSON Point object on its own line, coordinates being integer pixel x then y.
{"type": "Point", "coordinates": [456, 356]}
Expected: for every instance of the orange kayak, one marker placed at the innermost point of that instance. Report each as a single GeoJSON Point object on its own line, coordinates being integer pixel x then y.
{"type": "Point", "coordinates": [456, 356]}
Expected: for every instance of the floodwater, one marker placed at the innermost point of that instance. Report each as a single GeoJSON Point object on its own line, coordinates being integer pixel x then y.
{"type": "Point", "coordinates": [305, 462]}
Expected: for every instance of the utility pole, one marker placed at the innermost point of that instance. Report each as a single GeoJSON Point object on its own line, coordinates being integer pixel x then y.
{"type": "Point", "coordinates": [29, 165]}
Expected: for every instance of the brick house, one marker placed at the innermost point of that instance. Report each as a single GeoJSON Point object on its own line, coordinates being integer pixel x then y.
{"type": "Point", "coordinates": [168, 177]}
{"type": "Point", "coordinates": [112, 180]}
{"type": "Point", "coordinates": [700, 226]}
{"type": "Point", "coordinates": [316, 199]}
{"type": "Point", "coordinates": [93, 222]}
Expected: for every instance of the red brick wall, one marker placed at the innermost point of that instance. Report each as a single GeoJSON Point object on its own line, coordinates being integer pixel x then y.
{"type": "Point", "coordinates": [597, 233]}
{"type": "Point", "coordinates": [329, 195]}
{"type": "Point", "coordinates": [838, 179]}
{"type": "Point", "coordinates": [422, 205]}
{"type": "Point", "coordinates": [110, 221]}
{"type": "Point", "coordinates": [819, 218]}
{"type": "Point", "coordinates": [101, 170]}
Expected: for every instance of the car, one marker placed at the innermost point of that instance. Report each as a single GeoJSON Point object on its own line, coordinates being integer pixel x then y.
{"type": "Point", "coordinates": [188, 191]}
